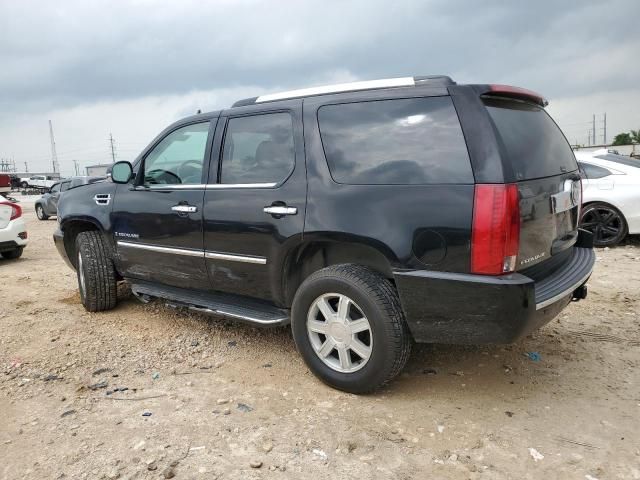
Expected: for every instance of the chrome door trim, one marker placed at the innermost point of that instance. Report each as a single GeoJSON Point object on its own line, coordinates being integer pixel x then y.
{"type": "Point", "coordinates": [235, 258]}
{"type": "Point", "coordinates": [198, 186]}
{"type": "Point", "coordinates": [222, 186]}
{"type": "Point", "coordinates": [157, 248]}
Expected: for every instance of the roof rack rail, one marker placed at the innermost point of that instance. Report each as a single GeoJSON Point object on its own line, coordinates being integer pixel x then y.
{"type": "Point", "coordinates": [439, 80]}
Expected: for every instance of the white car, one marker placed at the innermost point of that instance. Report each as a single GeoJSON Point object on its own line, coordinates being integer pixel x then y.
{"type": "Point", "coordinates": [611, 196]}
{"type": "Point", "coordinates": [42, 182]}
{"type": "Point", "coordinates": [13, 233]}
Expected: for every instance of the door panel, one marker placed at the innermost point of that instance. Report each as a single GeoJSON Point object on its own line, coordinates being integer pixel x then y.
{"type": "Point", "coordinates": [157, 220]}
{"type": "Point", "coordinates": [261, 165]}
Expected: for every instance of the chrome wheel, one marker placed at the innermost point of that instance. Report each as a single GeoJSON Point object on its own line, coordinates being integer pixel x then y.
{"type": "Point", "coordinates": [83, 288]}
{"type": "Point", "coordinates": [40, 212]}
{"type": "Point", "coordinates": [339, 332]}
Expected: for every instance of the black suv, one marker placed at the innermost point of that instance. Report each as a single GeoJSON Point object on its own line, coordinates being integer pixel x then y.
{"type": "Point", "coordinates": [367, 215]}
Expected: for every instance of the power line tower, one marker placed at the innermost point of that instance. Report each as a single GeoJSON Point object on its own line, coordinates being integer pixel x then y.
{"type": "Point", "coordinates": [113, 148]}
{"type": "Point", "coordinates": [76, 166]}
{"type": "Point", "coordinates": [54, 155]}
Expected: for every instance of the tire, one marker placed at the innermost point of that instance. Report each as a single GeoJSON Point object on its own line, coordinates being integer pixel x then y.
{"type": "Point", "coordinates": [370, 296]}
{"type": "Point", "coordinates": [13, 254]}
{"type": "Point", "coordinates": [95, 271]}
{"type": "Point", "coordinates": [24, 185]}
{"type": "Point", "coordinates": [606, 222]}
{"type": "Point", "coordinates": [40, 212]}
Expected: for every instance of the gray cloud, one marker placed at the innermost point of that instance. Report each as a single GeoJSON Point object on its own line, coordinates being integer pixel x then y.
{"type": "Point", "coordinates": [67, 53]}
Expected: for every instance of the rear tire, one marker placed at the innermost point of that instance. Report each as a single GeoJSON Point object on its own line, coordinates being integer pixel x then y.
{"type": "Point", "coordinates": [96, 274]}
{"type": "Point", "coordinates": [13, 254]}
{"type": "Point", "coordinates": [24, 185]}
{"type": "Point", "coordinates": [362, 348]}
{"type": "Point", "coordinates": [40, 212]}
{"type": "Point", "coordinates": [606, 222]}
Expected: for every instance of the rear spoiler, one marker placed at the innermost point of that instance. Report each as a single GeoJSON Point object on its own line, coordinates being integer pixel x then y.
{"type": "Point", "coordinates": [512, 92]}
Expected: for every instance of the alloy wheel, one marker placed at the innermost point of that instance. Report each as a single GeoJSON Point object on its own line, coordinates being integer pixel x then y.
{"type": "Point", "coordinates": [339, 332]}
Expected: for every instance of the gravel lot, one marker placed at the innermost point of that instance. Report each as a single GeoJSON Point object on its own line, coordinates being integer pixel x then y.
{"type": "Point", "coordinates": [229, 401]}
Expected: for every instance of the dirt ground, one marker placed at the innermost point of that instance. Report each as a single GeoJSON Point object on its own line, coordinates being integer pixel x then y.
{"type": "Point", "coordinates": [225, 398]}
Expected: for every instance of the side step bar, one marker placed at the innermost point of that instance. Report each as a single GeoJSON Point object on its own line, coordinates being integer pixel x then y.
{"type": "Point", "coordinates": [255, 312]}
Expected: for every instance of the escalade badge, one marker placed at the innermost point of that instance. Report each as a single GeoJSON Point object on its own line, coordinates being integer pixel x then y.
{"type": "Point", "coordinates": [531, 259]}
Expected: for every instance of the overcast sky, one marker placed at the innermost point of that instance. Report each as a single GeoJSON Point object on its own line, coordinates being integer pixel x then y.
{"type": "Point", "coordinates": [131, 68]}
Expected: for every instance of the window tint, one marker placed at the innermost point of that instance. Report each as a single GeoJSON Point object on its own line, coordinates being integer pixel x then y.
{"type": "Point", "coordinates": [533, 143]}
{"type": "Point", "coordinates": [593, 171]}
{"type": "Point", "coordinates": [178, 158]}
{"type": "Point", "coordinates": [404, 141]}
{"type": "Point", "coordinates": [258, 149]}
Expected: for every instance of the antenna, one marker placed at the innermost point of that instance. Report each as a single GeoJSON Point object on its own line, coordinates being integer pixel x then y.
{"type": "Point", "coordinates": [54, 155]}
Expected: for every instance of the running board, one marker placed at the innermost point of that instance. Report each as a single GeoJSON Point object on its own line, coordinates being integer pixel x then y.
{"type": "Point", "coordinates": [253, 311]}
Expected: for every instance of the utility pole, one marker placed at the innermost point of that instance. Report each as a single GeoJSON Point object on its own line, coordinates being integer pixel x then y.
{"type": "Point", "coordinates": [75, 164]}
{"type": "Point", "coordinates": [54, 155]}
{"type": "Point", "coordinates": [589, 138]}
{"type": "Point", "coordinates": [605, 129]}
{"type": "Point", "coordinates": [26, 167]}
{"type": "Point", "coordinates": [594, 129]}
{"type": "Point", "coordinates": [113, 150]}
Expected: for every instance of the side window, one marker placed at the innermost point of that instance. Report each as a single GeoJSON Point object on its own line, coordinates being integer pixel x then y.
{"type": "Point", "coordinates": [258, 149]}
{"type": "Point", "coordinates": [400, 141]}
{"type": "Point", "coordinates": [64, 186]}
{"type": "Point", "coordinates": [55, 188]}
{"type": "Point", "coordinates": [178, 158]}
{"type": "Point", "coordinates": [593, 171]}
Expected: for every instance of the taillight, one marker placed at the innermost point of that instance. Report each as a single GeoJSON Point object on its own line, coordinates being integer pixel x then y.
{"type": "Point", "coordinates": [517, 92]}
{"type": "Point", "coordinates": [495, 236]}
{"type": "Point", "coordinates": [16, 210]}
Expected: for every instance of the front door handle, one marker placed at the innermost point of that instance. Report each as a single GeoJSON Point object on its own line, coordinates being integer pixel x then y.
{"type": "Point", "coordinates": [280, 210]}
{"type": "Point", "coordinates": [184, 208]}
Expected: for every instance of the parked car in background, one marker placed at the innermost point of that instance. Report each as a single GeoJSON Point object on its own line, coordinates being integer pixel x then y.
{"type": "Point", "coordinates": [611, 196]}
{"type": "Point", "coordinates": [47, 205]}
{"type": "Point", "coordinates": [41, 182]}
{"type": "Point", "coordinates": [367, 215]}
{"type": "Point", "coordinates": [5, 183]}
{"type": "Point", "coordinates": [13, 233]}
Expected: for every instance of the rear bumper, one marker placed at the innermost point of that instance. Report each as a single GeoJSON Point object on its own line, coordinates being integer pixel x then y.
{"type": "Point", "coordinates": [13, 235]}
{"type": "Point", "coordinates": [58, 240]}
{"type": "Point", "coordinates": [443, 307]}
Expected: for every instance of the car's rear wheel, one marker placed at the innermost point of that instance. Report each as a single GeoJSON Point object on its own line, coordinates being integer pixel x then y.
{"type": "Point", "coordinates": [40, 213]}
{"type": "Point", "coordinates": [96, 274]}
{"type": "Point", "coordinates": [349, 327]}
{"type": "Point", "coordinates": [24, 184]}
{"type": "Point", "coordinates": [606, 222]}
{"type": "Point", "coordinates": [13, 254]}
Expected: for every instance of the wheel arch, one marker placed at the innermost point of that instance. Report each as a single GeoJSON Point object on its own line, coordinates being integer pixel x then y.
{"type": "Point", "coordinates": [73, 227]}
{"type": "Point", "coordinates": [315, 254]}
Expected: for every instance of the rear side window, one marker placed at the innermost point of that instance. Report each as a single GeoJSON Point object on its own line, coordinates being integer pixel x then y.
{"type": "Point", "coordinates": [398, 142]}
{"type": "Point", "coordinates": [628, 161]}
{"type": "Point", "coordinates": [258, 149]}
{"type": "Point", "coordinates": [593, 171]}
{"type": "Point", "coordinates": [532, 142]}
{"type": "Point", "coordinates": [64, 186]}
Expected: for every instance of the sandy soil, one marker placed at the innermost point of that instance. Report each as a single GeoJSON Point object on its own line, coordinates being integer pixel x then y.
{"type": "Point", "coordinates": [224, 396]}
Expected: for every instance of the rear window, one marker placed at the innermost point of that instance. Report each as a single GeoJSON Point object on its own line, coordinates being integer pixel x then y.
{"type": "Point", "coordinates": [403, 141]}
{"type": "Point", "coordinates": [622, 160]}
{"type": "Point", "coordinates": [532, 142]}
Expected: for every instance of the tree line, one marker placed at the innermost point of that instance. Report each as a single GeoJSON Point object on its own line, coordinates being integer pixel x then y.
{"type": "Point", "coordinates": [627, 138]}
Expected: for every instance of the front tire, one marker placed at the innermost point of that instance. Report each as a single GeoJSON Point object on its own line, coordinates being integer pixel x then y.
{"type": "Point", "coordinates": [606, 222]}
{"type": "Point", "coordinates": [40, 213]}
{"type": "Point", "coordinates": [24, 185]}
{"type": "Point", "coordinates": [13, 254]}
{"type": "Point", "coordinates": [349, 327]}
{"type": "Point", "coordinates": [96, 274]}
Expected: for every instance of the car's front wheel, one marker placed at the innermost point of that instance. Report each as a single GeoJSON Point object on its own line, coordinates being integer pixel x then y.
{"type": "Point", "coordinates": [40, 213]}
{"type": "Point", "coordinates": [349, 327]}
{"type": "Point", "coordinates": [96, 274]}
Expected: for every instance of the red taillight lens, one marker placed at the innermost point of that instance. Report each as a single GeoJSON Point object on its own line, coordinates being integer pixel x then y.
{"type": "Point", "coordinates": [16, 210]}
{"type": "Point", "coordinates": [495, 236]}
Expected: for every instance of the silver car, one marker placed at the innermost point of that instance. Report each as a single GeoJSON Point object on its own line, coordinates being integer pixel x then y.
{"type": "Point", "coordinates": [47, 205]}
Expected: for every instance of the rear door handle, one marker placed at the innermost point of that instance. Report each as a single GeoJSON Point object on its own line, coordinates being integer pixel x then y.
{"type": "Point", "coordinates": [184, 208]}
{"type": "Point", "coordinates": [280, 210]}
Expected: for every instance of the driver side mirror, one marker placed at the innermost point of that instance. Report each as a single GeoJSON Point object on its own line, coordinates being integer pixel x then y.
{"type": "Point", "coordinates": [121, 172]}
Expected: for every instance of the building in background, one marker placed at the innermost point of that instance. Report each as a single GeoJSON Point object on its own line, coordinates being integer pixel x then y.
{"type": "Point", "coordinates": [97, 170]}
